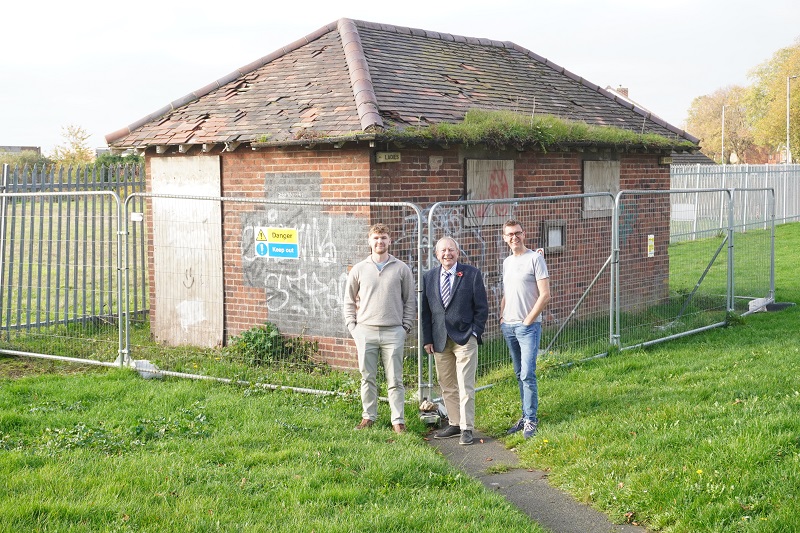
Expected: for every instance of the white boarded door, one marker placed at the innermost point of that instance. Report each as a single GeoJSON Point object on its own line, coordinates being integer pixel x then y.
{"type": "Point", "coordinates": [489, 179]}
{"type": "Point", "coordinates": [187, 251]}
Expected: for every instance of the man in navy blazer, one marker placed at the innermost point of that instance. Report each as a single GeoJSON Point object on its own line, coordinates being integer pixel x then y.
{"type": "Point", "coordinates": [454, 314]}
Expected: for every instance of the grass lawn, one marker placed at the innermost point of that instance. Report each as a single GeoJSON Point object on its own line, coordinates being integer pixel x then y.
{"type": "Point", "coordinates": [109, 451]}
{"type": "Point", "coordinates": [697, 434]}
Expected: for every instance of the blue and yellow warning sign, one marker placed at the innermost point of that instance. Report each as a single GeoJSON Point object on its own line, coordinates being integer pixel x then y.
{"type": "Point", "coordinates": [277, 242]}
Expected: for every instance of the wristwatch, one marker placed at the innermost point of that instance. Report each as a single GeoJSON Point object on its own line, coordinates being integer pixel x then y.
{"type": "Point", "coordinates": [407, 328]}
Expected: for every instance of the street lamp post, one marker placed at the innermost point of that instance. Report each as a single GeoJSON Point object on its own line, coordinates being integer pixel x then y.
{"type": "Point", "coordinates": [788, 96]}
{"type": "Point", "coordinates": [723, 136]}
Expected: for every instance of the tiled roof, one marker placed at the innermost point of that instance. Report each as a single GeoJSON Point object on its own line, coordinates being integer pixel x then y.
{"type": "Point", "coordinates": [355, 77]}
{"type": "Point", "coordinates": [689, 158]}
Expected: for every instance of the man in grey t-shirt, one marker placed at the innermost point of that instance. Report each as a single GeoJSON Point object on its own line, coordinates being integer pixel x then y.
{"type": "Point", "coordinates": [526, 292]}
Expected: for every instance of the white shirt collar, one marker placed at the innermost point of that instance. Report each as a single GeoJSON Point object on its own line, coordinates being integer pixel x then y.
{"type": "Point", "coordinates": [452, 270]}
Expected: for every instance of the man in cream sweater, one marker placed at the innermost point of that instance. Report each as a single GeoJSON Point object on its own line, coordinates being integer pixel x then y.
{"type": "Point", "coordinates": [379, 309]}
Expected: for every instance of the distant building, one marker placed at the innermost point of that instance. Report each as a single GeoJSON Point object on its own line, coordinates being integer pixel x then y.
{"type": "Point", "coordinates": [19, 149]}
{"type": "Point", "coordinates": [696, 158]}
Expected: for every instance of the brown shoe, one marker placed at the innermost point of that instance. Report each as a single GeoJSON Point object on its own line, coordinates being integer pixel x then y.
{"type": "Point", "coordinates": [399, 428]}
{"type": "Point", "coordinates": [364, 424]}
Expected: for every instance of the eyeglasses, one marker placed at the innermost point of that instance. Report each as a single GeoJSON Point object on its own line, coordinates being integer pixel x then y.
{"type": "Point", "coordinates": [517, 234]}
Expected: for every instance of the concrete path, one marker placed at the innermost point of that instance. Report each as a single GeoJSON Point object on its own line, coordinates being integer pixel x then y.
{"type": "Point", "coordinates": [527, 489]}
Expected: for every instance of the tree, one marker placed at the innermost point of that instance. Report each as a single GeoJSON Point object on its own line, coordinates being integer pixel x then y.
{"type": "Point", "coordinates": [767, 99]}
{"type": "Point", "coordinates": [109, 160]}
{"type": "Point", "coordinates": [75, 151]}
{"type": "Point", "coordinates": [24, 158]}
{"type": "Point", "coordinates": [705, 122]}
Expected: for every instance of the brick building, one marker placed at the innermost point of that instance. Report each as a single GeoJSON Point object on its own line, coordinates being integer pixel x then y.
{"type": "Point", "coordinates": [313, 121]}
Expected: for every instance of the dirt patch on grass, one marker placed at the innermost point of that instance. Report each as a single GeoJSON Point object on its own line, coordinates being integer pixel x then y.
{"type": "Point", "coordinates": [14, 367]}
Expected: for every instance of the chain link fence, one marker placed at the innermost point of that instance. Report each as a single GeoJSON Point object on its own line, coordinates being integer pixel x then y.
{"type": "Point", "coordinates": [251, 289]}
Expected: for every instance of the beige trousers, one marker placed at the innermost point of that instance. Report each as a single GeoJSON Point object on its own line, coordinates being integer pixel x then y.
{"type": "Point", "coordinates": [385, 344]}
{"type": "Point", "coordinates": [455, 368]}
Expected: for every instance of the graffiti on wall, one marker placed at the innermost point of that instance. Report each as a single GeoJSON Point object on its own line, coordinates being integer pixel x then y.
{"type": "Point", "coordinates": [303, 295]}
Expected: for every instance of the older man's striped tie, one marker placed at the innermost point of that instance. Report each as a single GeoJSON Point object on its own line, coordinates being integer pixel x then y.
{"type": "Point", "coordinates": [446, 289]}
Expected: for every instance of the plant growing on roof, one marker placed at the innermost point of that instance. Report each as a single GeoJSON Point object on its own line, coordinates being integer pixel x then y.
{"type": "Point", "coordinates": [501, 129]}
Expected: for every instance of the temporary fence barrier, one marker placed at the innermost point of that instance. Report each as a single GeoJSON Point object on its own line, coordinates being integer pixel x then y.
{"type": "Point", "coordinates": [61, 248]}
{"type": "Point", "coordinates": [60, 275]}
{"type": "Point", "coordinates": [573, 232]}
{"type": "Point", "coordinates": [221, 302]}
{"type": "Point", "coordinates": [666, 287]}
{"type": "Point", "coordinates": [258, 283]}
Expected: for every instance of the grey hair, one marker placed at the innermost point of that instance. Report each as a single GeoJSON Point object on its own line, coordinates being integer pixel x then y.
{"type": "Point", "coordinates": [447, 238]}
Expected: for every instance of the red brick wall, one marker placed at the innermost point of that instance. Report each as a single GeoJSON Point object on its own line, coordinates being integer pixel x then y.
{"type": "Point", "coordinates": [644, 279]}
{"type": "Point", "coordinates": [344, 176]}
{"type": "Point", "coordinates": [424, 177]}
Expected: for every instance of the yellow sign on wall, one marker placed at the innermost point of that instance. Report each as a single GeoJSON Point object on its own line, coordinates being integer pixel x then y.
{"type": "Point", "coordinates": [277, 242]}
{"type": "Point", "coordinates": [282, 235]}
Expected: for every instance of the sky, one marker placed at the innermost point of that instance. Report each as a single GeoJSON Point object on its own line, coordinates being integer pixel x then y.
{"type": "Point", "coordinates": [101, 65]}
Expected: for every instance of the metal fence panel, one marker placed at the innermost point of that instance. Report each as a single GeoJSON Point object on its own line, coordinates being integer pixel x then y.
{"type": "Point", "coordinates": [60, 240]}
{"type": "Point", "coordinates": [665, 290]}
{"type": "Point", "coordinates": [576, 248]}
{"type": "Point", "coordinates": [60, 272]}
{"type": "Point", "coordinates": [783, 179]}
{"type": "Point", "coordinates": [752, 249]}
{"type": "Point", "coordinates": [282, 311]}
{"type": "Point", "coordinates": [655, 265]}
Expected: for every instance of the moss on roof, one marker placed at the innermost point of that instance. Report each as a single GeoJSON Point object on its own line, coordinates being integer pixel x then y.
{"type": "Point", "coordinates": [504, 129]}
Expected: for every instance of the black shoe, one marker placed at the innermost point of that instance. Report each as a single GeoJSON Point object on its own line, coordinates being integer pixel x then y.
{"type": "Point", "coordinates": [516, 427]}
{"type": "Point", "coordinates": [466, 437]}
{"type": "Point", "coordinates": [448, 432]}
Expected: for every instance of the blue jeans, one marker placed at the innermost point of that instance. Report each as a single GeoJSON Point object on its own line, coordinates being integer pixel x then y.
{"type": "Point", "coordinates": [523, 346]}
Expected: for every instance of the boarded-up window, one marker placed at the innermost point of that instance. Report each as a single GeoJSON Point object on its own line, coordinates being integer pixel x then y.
{"type": "Point", "coordinates": [600, 176]}
{"type": "Point", "coordinates": [489, 180]}
{"type": "Point", "coordinates": [187, 251]}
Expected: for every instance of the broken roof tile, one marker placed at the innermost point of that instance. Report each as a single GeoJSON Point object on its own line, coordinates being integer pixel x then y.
{"type": "Point", "coordinates": [351, 76]}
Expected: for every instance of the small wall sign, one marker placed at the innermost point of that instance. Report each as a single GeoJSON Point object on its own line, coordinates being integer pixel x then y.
{"type": "Point", "coordinates": [276, 242]}
{"type": "Point", "coordinates": [387, 157]}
